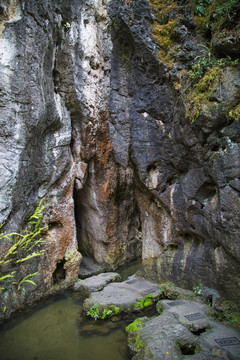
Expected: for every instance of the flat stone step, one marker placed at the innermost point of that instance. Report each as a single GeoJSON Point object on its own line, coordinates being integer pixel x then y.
{"type": "Point", "coordinates": [183, 331]}
{"type": "Point", "coordinates": [96, 282]}
{"type": "Point", "coordinates": [191, 314]}
{"type": "Point", "coordinates": [124, 295]}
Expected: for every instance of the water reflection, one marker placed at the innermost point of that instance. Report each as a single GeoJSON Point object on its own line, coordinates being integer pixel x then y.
{"type": "Point", "coordinates": [56, 332]}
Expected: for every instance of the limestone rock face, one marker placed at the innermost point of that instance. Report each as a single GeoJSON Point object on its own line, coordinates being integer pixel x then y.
{"type": "Point", "coordinates": [92, 123]}
{"type": "Point", "coordinates": [35, 136]}
{"type": "Point", "coordinates": [184, 172]}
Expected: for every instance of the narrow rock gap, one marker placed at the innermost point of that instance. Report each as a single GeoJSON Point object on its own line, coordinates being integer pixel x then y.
{"type": "Point", "coordinates": [199, 331]}
{"type": "Point", "coordinates": [83, 246]}
{"type": "Point", "coordinates": [59, 273]}
{"type": "Point", "coordinates": [81, 178]}
{"type": "Point", "coordinates": [188, 349]}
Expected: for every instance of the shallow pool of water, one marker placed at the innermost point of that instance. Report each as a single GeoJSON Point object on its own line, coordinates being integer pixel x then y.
{"type": "Point", "coordinates": [129, 269]}
{"type": "Point", "coordinates": [57, 331]}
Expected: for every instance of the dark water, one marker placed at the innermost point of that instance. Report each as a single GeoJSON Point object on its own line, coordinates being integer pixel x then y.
{"type": "Point", "coordinates": [130, 269]}
{"type": "Point", "coordinates": [56, 331]}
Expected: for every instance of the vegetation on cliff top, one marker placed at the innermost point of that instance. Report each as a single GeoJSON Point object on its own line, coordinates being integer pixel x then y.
{"type": "Point", "coordinates": [164, 24]}
{"type": "Point", "coordinates": [217, 15]}
{"type": "Point", "coordinates": [213, 19]}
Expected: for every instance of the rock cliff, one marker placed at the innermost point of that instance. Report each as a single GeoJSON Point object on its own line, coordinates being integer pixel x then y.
{"type": "Point", "coordinates": [99, 118]}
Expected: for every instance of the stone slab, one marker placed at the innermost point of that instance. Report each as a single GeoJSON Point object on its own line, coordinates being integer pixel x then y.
{"type": "Point", "coordinates": [96, 282]}
{"type": "Point", "coordinates": [123, 295]}
{"type": "Point", "coordinates": [191, 314]}
{"type": "Point", "coordinates": [169, 335]}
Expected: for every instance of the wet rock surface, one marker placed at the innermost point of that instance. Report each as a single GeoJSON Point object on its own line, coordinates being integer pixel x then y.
{"type": "Point", "coordinates": [123, 295]}
{"type": "Point", "coordinates": [89, 268]}
{"type": "Point", "coordinates": [183, 331]}
{"type": "Point", "coordinates": [95, 283]}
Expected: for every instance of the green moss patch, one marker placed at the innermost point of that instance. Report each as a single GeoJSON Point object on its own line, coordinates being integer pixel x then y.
{"type": "Point", "coordinates": [199, 99]}
{"type": "Point", "coordinates": [135, 325]}
{"type": "Point", "coordinates": [162, 10]}
{"type": "Point", "coordinates": [134, 340]}
{"type": "Point", "coordinates": [146, 301]}
{"type": "Point", "coordinates": [216, 15]}
{"type": "Point", "coordinates": [235, 113]}
{"type": "Point", "coordinates": [95, 312]}
{"type": "Point", "coordinates": [230, 314]}
{"type": "Point", "coordinates": [163, 26]}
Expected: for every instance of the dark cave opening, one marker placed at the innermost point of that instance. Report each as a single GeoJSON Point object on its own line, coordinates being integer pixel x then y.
{"type": "Point", "coordinates": [188, 349]}
{"type": "Point", "coordinates": [80, 212]}
{"type": "Point", "coordinates": [200, 331]}
{"type": "Point", "coordinates": [60, 273]}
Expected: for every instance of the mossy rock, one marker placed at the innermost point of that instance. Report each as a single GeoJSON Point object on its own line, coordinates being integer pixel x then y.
{"type": "Point", "coordinates": [215, 96]}
{"type": "Point", "coordinates": [171, 291]}
{"type": "Point", "coordinates": [165, 23]}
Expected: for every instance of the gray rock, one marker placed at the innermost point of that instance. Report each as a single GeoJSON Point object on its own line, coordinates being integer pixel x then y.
{"type": "Point", "coordinates": [95, 283]}
{"type": "Point", "coordinates": [189, 313]}
{"type": "Point", "coordinates": [213, 296]}
{"type": "Point", "coordinates": [89, 268]}
{"type": "Point", "coordinates": [227, 45]}
{"type": "Point", "coordinates": [159, 338]}
{"type": "Point", "coordinates": [178, 334]}
{"type": "Point", "coordinates": [123, 295]}
{"type": "Point", "coordinates": [174, 292]}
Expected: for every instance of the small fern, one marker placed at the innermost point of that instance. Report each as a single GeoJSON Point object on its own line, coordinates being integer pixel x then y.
{"type": "Point", "coordinates": [25, 246]}
{"type": "Point", "coordinates": [25, 280]}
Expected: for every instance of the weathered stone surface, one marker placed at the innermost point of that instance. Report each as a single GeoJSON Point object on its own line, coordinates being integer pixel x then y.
{"type": "Point", "coordinates": [123, 295]}
{"type": "Point", "coordinates": [172, 335]}
{"type": "Point", "coordinates": [212, 296]}
{"type": "Point", "coordinates": [183, 171]}
{"type": "Point", "coordinates": [35, 138]}
{"type": "Point", "coordinates": [174, 292]}
{"type": "Point", "coordinates": [89, 268]}
{"type": "Point", "coordinates": [96, 282]}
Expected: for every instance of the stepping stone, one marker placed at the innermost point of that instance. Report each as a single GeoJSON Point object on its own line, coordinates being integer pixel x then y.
{"type": "Point", "coordinates": [222, 338]}
{"type": "Point", "coordinates": [159, 337]}
{"type": "Point", "coordinates": [183, 331]}
{"type": "Point", "coordinates": [123, 295]}
{"type": "Point", "coordinates": [96, 283]}
{"type": "Point", "coordinates": [191, 314]}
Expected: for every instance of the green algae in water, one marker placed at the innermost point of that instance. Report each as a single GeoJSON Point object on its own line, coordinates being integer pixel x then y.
{"type": "Point", "coordinates": [55, 332]}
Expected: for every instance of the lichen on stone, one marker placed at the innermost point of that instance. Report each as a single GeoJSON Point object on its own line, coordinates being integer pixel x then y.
{"type": "Point", "coordinates": [162, 9]}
